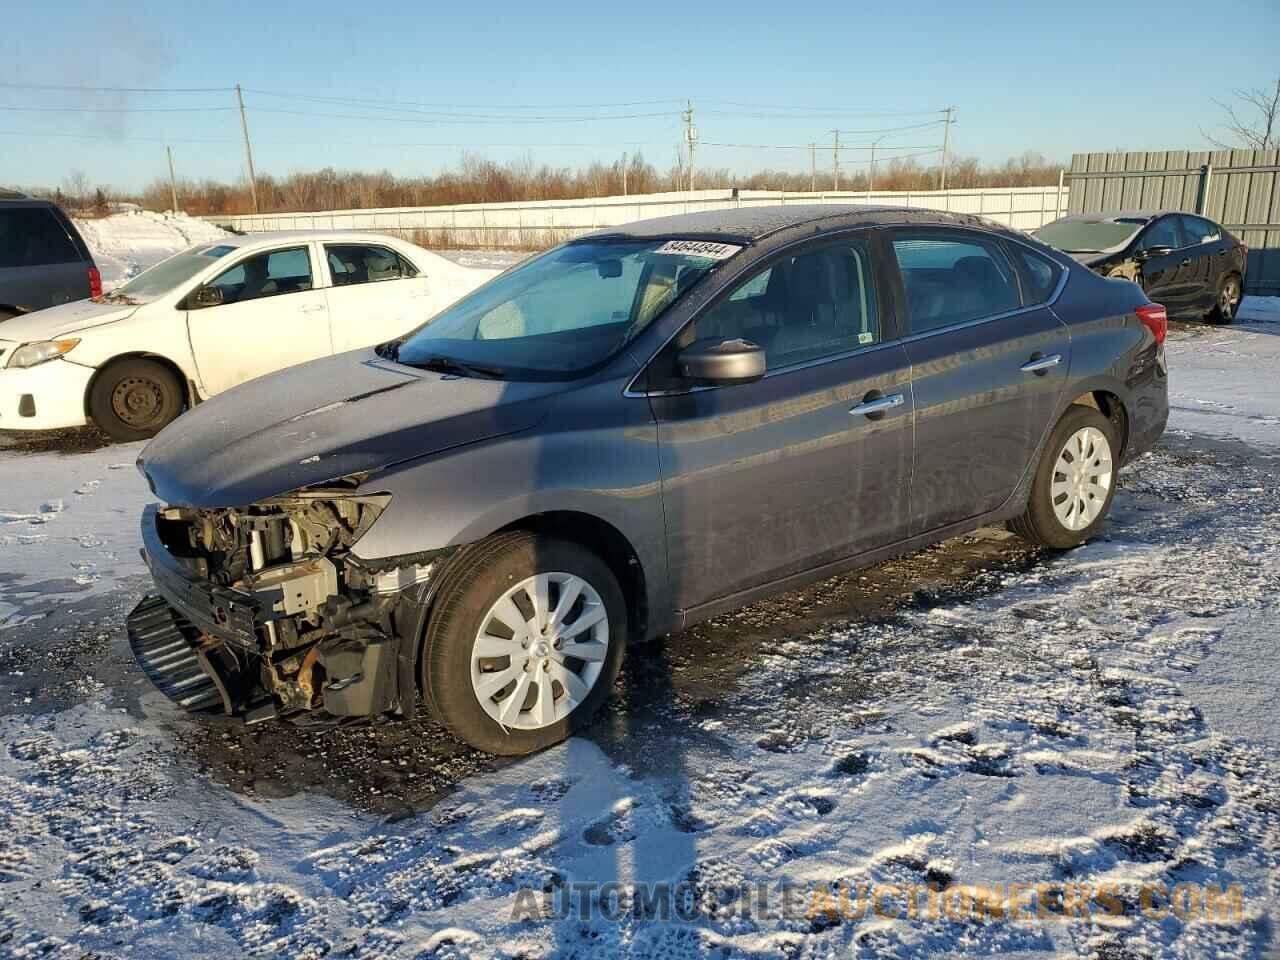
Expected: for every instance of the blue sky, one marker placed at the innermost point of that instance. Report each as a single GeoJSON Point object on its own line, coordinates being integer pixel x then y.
{"type": "Point", "coordinates": [1023, 76]}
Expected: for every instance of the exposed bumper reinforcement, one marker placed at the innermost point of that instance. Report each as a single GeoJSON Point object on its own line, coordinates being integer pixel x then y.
{"type": "Point", "coordinates": [168, 658]}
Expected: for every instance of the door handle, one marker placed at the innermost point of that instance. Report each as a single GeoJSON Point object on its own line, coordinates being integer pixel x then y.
{"type": "Point", "coordinates": [1041, 364]}
{"type": "Point", "coordinates": [877, 406]}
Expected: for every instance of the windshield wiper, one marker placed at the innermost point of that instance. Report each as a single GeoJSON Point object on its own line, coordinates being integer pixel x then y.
{"type": "Point", "coordinates": [449, 365]}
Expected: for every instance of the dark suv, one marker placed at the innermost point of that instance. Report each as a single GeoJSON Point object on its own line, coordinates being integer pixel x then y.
{"type": "Point", "coordinates": [43, 259]}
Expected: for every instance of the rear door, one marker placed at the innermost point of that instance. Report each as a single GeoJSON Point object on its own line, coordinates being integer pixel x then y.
{"type": "Point", "coordinates": [374, 294]}
{"type": "Point", "coordinates": [271, 317]}
{"type": "Point", "coordinates": [989, 362]}
{"type": "Point", "coordinates": [767, 479]}
{"type": "Point", "coordinates": [1207, 250]}
{"type": "Point", "coordinates": [40, 265]}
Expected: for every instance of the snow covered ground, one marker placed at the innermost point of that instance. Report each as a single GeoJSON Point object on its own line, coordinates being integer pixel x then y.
{"type": "Point", "coordinates": [125, 244]}
{"type": "Point", "coordinates": [1102, 723]}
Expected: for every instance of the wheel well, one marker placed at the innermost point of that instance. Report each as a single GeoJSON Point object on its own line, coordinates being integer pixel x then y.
{"type": "Point", "coordinates": [189, 397]}
{"type": "Point", "coordinates": [1111, 407]}
{"type": "Point", "coordinates": [607, 542]}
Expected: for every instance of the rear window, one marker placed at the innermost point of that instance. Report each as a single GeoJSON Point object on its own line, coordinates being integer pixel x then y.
{"type": "Point", "coordinates": [1039, 275]}
{"type": "Point", "coordinates": [32, 237]}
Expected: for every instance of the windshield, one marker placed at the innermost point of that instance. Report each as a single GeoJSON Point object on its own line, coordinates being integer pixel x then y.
{"type": "Point", "coordinates": [563, 312]}
{"type": "Point", "coordinates": [167, 274]}
{"type": "Point", "coordinates": [1087, 236]}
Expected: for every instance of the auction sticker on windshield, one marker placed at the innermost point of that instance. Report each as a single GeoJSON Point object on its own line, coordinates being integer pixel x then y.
{"type": "Point", "coordinates": [700, 248]}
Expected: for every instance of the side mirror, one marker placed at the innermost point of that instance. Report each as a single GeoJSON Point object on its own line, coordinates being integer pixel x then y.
{"type": "Point", "coordinates": [722, 361]}
{"type": "Point", "coordinates": [1160, 250]}
{"type": "Point", "coordinates": [206, 297]}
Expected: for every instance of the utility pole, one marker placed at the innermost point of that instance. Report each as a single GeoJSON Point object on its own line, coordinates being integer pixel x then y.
{"type": "Point", "coordinates": [946, 148]}
{"type": "Point", "coordinates": [248, 150]}
{"type": "Point", "coordinates": [173, 181]}
{"type": "Point", "coordinates": [835, 161]}
{"type": "Point", "coordinates": [871, 174]}
{"type": "Point", "coordinates": [691, 138]}
{"type": "Point", "coordinates": [813, 168]}
{"type": "Point", "coordinates": [624, 173]}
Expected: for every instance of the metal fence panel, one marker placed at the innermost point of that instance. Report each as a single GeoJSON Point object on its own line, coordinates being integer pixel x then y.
{"type": "Point", "coordinates": [1238, 188]}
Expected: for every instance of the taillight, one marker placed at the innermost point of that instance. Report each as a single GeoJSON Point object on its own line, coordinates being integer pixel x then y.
{"type": "Point", "coordinates": [95, 282]}
{"type": "Point", "coordinates": [1155, 318]}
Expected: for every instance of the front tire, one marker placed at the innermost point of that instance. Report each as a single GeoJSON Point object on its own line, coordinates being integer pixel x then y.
{"type": "Point", "coordinates": [1074, 483]}
{"type": "Point", "coordinates": [525, 642]}
{"type": "Point", "coordinates": [1230, 293]}
{"type": "Point", "coordinates": [133, 399]}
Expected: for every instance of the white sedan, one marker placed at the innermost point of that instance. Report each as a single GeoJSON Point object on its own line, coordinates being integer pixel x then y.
{"type": "Point", "coordinates": [212, 317]}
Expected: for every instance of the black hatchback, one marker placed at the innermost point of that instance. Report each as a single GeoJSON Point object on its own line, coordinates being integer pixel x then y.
{"type": "Point", "coordinates": [1191, 265]}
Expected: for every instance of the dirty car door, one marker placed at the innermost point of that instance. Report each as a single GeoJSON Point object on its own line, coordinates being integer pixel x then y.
{"type": "Point", "coordinates": [767, 479]}
{"type": "Point", "coordinates": [989, 361]}
{"type": "Point", "coordinates": [270, 317]}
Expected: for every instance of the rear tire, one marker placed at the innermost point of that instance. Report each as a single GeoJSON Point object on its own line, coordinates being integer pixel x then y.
{"type": "Point", "coordinates": [134, 398]}
{"type": "Point", "coordinates": [1230, 293]}
{"type": "Point", "coordinates": [1074, 482]}
{"type": "Point", "coordinates": [514, 695]}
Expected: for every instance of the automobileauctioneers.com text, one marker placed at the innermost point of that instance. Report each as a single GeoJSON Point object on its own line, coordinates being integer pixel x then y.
{"type": "Point", "coordinates": [1015, 902]}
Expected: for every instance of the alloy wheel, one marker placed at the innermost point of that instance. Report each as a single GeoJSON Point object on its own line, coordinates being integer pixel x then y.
{"type": "Point", "coordinates": [1082, 477]}
{"type": "Point", "coordinates": [1229, 298]}
{"type": "Point", "coordinates": [539, 651]}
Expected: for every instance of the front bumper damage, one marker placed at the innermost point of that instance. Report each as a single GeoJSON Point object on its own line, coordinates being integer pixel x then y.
{"type": "Point", "coordinates": [264, 612]}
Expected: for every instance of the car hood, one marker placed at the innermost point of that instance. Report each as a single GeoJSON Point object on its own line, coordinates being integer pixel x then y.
{"type": "Point", "coordinates": [324, 420]}
{"type": "Point", "coordinates": [63, 319]}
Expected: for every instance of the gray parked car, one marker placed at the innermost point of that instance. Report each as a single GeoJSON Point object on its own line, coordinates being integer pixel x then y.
{"type": "Point", "coordinates": [43, 260]}
{"type": "Point", "coordinates": [627, 434]}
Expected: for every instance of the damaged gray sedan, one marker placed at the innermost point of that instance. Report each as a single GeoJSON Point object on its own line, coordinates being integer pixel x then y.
{"type": "Point", "coordinates": [623, 436]}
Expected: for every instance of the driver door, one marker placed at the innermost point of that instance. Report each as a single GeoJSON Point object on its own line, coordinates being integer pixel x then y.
{"type": "Point", "coordinates": [1167, 278]}
{"type": "Point", "coordinates": [271, 317]}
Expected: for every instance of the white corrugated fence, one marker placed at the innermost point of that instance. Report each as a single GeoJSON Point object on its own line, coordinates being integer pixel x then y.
{"type": "Point", "coordinates": [537, 223]}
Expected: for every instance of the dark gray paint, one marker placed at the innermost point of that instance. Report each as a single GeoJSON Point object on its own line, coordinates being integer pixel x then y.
{"type": "Point", "coordinates": [724, 494]}
{"type": "Point", "coordinates": [28, 288]}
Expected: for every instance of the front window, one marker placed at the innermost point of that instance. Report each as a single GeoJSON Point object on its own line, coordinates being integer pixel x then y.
{"type": "Point", "coordinates": [1163, 233]}
{"type": "Point", "coordinates": [1087, 236]}
{"type": "Point", "coordinates": [564, 312]}
{"type": "Point", "coordinates": [171, 273]}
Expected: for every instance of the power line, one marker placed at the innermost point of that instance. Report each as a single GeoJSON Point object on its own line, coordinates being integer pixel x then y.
{"type": "Point", "coordinates": [832, 111]}
{"type": "Point", "coordinates": [382, 102]}
{"type": "Point", "coordinates": [806, 146]}
{"type": "Point", "coordinates": [115, 109]}
{"type": "Point", "coordinates": [88, 89]}
{"type": "Point", "coordinates": [329, 142]}
{"type": "Point", "coordinates": [470, 120]}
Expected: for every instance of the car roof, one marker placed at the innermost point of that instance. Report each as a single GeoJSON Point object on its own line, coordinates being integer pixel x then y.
{"type": "Point", "coordinates": [748, 224]}
{"type": "Point", "coordinates": [299, 236]}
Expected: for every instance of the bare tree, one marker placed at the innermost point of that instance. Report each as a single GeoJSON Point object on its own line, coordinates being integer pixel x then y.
{"type": "Point", "coordinates": [1260, 134]}
{"type": "Point", "coordinates": [76, 186]}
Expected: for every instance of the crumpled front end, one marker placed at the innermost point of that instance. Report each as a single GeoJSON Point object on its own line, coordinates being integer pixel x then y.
{"type": "Point", "coordinates": [263, 611]}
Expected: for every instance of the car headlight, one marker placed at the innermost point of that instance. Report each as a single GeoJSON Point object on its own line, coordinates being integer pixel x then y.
{"type": "Point", "coordinates": [30, 354]}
